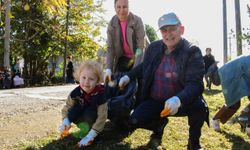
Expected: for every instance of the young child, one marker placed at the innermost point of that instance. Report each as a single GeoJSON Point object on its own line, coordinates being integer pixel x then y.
{"type": "Point", "coordinates": [86, 105]}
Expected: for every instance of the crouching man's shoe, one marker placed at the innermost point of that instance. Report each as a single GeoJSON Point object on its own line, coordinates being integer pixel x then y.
{"type": "Point", "coordinates": [156, 137]}
{"type": "Point", "coordinates": [194, 147]}
{"type": "Point", "coordinates": [155, 141]}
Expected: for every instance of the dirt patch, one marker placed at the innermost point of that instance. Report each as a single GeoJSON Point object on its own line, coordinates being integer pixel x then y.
{"type": "Point", "coordinates": [25, 118]}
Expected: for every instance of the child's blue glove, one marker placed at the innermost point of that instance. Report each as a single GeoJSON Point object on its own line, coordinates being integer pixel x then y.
{"type": "Point", "coordinates": [65, 123]}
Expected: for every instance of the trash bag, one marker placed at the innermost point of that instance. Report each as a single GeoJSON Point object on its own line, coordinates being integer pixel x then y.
{"type": "Point", "coordinates": [120, 101]}
{"type": "Point", "coordinates": [215, 78]}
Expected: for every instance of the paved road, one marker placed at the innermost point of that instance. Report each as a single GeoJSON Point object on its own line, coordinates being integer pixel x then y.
{"type": "Point", "coordinates": [48, 92]}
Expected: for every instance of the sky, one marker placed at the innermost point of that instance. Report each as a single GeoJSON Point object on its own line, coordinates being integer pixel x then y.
{"type": "Point", "coordinates": [202, 20]}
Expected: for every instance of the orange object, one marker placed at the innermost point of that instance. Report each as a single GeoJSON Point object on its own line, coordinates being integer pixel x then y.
{"type": "Point", "coordinates": [65, 132]}
{"type": "Point", "coordinates": [165, 112]}
{"type": "Point", "coordinates": [88, 144]}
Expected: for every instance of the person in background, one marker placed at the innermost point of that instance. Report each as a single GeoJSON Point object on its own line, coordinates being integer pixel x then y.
{"type": "Point", "coordinates": [172, 78]}
{"type": "Point", "coordinates": [125, 40]}
{"type": "Point", "coordinates": [209, 61]}
{"type": "Point", "coordinates": [7, 79]}
{"type": "Point", "coordinates": [70, 71]}
{"type": "Point", "coordinates": [86, 105]}
{"type": "Point", "coordinates": [235, 81]}
{"type": "Point", "coordinates": [17, 68]}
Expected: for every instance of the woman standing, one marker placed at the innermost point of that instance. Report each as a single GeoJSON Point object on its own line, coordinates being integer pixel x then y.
{"type": "Point", "coordinates": [126, 40]}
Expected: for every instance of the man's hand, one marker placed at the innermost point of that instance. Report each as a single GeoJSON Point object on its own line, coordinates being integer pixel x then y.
{"type": "Point", "coordinates": [173, 104]}
{"type": "Point", "coordinates": [88, 139]}
{"type": "Point", "coordinates": [107, 76]}
{"type": "Point", "coordinates": [165, 112]}
{"type": "Point", "coordinates": [123, 81]}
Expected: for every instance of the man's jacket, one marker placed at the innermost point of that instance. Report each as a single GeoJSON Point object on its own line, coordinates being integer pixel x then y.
{"type": "Point", "coordinates": [190, 70]}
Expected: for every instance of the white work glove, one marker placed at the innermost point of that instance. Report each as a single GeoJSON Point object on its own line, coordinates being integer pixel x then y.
{"type": "Point", "coordinates": [65, 123]}
{"type": "Point", "coordinates": [88, 139]}
{"type": "Point", "coordinates": [173, 104]}
{"type": "Point", "coordinates": [107, 75]}
{"type": "Point", "coordinates": [123, 81]}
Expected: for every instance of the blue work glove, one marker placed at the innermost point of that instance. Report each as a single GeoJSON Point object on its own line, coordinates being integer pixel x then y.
{"type": "Point", "coordinates": [65, 123]}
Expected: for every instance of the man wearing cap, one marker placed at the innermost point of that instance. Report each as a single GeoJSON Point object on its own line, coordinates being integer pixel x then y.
{"type": "Point", "coordinates": [172, 73]}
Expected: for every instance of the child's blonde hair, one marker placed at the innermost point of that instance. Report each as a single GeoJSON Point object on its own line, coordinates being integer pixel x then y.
{"type": "Point", "coordinates": [92, 65]}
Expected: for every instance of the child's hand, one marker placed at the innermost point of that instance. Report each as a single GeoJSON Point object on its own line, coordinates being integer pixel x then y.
{"type": "Point", "coordinates": [64, 124]}
{"type": "Point", "coordinates": [64, 128]}
{"type": "Point", "coordinates": [88, 139]}
{"type": "Point", "coordinates": [65, 132]}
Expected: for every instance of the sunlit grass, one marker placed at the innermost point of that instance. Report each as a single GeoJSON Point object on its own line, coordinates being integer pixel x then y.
{"type": "Point", "coordinates": [175, 134]}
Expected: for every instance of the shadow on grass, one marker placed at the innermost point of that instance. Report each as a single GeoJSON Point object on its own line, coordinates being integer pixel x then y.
{"type": "Point", "coordinates": [212, 92]}
{"type": "Point", "coordinates": [238, 142]}
{"type": "Point", "coordinates": [148, 147]}
{"type": "Point", "coordinates": [110, 139]}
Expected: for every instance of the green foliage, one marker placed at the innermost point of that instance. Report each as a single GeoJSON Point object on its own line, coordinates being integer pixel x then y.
{"type": "Point", "coordinates": [38, 32]}
{"type": "Point", "coordinates": [246, 35]}
{"type": "Point", "coordinates": [85, 28]}
{"type": "Point", "coordinates": [151, 33]}
{"type": "Point", "coordinates": [59, 73]}
{"type": "Point", "coordinates": [55, 6]}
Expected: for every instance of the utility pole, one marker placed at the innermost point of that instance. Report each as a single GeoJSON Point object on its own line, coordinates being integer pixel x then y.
{"type": "Point", "coordinates": [238, 27]}
{"type": "Point", "coordinates": [225, 31]}
{"type": "Point", "coordinates": [66, 40]}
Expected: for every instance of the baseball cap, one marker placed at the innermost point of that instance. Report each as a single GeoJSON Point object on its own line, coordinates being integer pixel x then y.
{"type": "Point", "coordinates": [168, 19]}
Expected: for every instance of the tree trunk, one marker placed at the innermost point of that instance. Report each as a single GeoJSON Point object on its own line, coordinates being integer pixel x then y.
{"type": "Point", "coordinates": [238, 27]}
{"type": "Point", "coordinates": [66, 41]}
{"type": "Point", "coordinates": [7, 36]}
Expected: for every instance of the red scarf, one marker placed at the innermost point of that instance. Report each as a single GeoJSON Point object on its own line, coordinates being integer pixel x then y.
{"type": "Point", "coordinates": [87, 96]}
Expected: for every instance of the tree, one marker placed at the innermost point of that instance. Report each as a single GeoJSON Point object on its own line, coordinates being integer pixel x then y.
{"type": "Point", "coordinates": [151, 33]}
{"type": "Point", "coordinates": [38, 34]}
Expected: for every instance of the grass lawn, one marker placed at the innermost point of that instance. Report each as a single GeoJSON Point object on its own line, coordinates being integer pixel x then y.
{"type": "Point", "coordinates": [175, 134]}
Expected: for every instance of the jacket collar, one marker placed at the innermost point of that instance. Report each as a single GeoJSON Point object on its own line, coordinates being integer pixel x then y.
{"type": "Point", "coordinates": [96, 90]}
